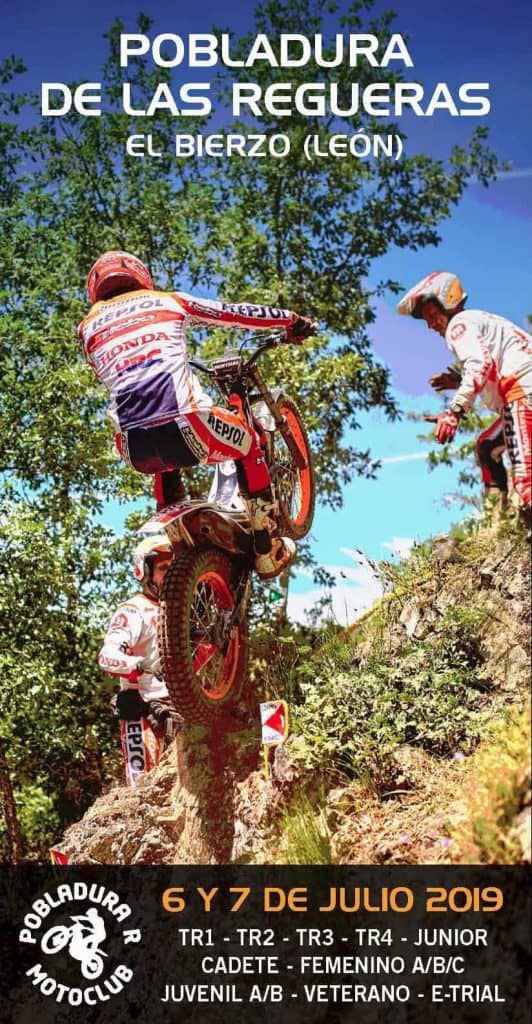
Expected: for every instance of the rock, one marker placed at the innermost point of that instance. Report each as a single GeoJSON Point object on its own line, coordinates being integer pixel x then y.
{"type": "Point", "coordinates": [284, 770]}
{"type": "Point", "coordinates": [409, 617]}
{"type": "Point", "coordinates": [444, 548]}
{"type": "Point", "coordinates": [338, 803]}
{"type": "Point", "coordinates": [149, 851]}
{"type": "Point", "coordinates": [182, 812]}
{"type": "Point", "coordinates": [210, 800]}
{"type": "Point", "coordinates": [516, 586]}
{"type": "Point", "coordinates": [341, 796]}
{"type": "Point", "coordinates": [487, 576]}
{"type": "Point", "coordinates": [256, 804]}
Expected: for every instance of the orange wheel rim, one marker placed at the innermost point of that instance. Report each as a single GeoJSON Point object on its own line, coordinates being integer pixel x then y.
{"type": "Point", "coordinates": [303, 476]}
{"type": "Point", "coordinates": [215, 669]}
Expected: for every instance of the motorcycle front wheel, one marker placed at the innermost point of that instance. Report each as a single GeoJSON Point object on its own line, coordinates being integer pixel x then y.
{"type": "Point", "coordinates": [204, 657]}
{"type": "Point", "coordinates": [294, 484]}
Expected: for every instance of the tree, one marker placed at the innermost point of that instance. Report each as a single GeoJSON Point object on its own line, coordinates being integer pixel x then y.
{"type": "Point", "coordinates": [61, 202]}
{"type": "Point", "coordinates": [300, 234]}
{"type": "Point", "coordinates": [307, 235]}
{"type": "Point", "coordinates": [60, 744]}
{"type": "Point", "coordinates": [14, 836]}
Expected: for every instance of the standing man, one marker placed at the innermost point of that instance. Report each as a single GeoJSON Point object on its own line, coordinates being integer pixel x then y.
{"type": "Point", "coordinates": [495, 360]}
{"type": "Point", "coordinates": [130, 652]}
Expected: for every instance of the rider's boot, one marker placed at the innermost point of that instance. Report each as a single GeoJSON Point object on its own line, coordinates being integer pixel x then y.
{"type": "Point", "coordinates": [169, 488]}
{"type": "Point", "coordinates": [273, 553]}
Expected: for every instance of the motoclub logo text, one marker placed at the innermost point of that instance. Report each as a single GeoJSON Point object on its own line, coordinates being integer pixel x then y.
{"type": "Point", "coordinates": [79, 938]}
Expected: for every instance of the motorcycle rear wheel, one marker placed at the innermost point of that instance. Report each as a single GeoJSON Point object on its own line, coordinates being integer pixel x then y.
{"type": "Point", "coordinates": [204, 666]}
{"type": "Point", "coordinates": [294, 486]}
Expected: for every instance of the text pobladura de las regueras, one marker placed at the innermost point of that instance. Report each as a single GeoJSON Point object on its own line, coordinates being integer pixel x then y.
{"type": "Point", "coordinates": [251, 101]}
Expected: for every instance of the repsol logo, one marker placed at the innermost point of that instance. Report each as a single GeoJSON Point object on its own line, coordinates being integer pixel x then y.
{"type": "Point", "coordinates": [135, 748]}
{"type": "Point", "coordinates": [260, 312]}
{"type": "Point", "coordinates": [127, 346]}
{"type": "Point", "coordinates": [232, 434]}
{"type": "Point", "coordinates": [131, 307]}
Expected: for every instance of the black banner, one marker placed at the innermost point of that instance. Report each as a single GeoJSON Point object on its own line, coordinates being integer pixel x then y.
{"type": "Point", "coordinates": [324, 945]}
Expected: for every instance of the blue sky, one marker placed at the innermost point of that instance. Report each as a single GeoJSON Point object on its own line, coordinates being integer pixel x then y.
{"type": "Point", "coordinates": [488, 240]}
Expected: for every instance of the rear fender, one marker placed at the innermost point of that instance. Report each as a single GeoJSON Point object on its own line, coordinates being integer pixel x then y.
{"type": "Point", "coordinates": [194, 523]}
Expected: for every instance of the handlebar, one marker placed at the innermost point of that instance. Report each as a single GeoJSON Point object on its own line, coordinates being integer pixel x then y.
{"type": "Point", "coordinates": [198, 365]}
{"type": "Point", "coordinates": [270, 341]}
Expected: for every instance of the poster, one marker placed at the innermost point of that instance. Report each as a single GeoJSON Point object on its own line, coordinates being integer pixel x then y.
{"type": "Point", "coordinates": [322, 159]}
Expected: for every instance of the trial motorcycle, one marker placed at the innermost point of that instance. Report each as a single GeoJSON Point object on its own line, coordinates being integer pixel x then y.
{"type": "Point", "coordinates": [203, 630]}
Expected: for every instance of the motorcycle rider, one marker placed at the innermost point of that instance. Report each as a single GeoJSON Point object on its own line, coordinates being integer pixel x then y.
{"type": "Point", "coordinates": [495, 359]}
{"type": "Point", "coordinates": [134, 339]}
{"type": "Point", "coordinates": [130, 649]}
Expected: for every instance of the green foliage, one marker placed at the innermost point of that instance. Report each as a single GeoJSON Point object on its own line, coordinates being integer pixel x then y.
{"type": "Point", "coordinates": [306, 837]}
{"type": "Point", "coordinates": [298, 234]}
{"type": "Point", "coordinates": [427, 696]}
{"type": "Point", "coordinates": [54, 719]}
{"type": "Point", "coordinates": [39, 819]}
{"type": "Point", "coordinates": [493, 824]}
{"type": "Point", "coordinates": [306, 234]}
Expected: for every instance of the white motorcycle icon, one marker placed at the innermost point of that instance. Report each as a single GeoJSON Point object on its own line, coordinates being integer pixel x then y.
{"type": "Point", "coordinates": [83, 938]}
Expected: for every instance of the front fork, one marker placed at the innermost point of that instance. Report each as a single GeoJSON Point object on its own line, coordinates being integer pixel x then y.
{"type": "Point", "coordinates": [278, 418]}
{"type": "Point", "coordinates": [241, 587]}
{"type": "Point", "coordinates": [241, 582]}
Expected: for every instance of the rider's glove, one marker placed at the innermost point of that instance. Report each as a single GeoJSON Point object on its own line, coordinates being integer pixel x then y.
{"type": "Point", "coordinates": [130, 706]}
{"type": "Point", "coordinates": [135, 674]}
{"type": "Point", "coordinates": [446, 426]}
{"type": "Point", "coordinates": [446, 381]}
{"type": "Point", "coordinates": [300, 328]}
{"type": "Point", "coordinates": [163, 717]}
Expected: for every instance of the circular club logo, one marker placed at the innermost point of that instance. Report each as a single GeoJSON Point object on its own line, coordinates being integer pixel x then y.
{"type": "Point", "coordinates": [78, 956]}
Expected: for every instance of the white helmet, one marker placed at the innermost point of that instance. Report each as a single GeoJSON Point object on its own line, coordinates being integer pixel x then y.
{"type": "Point", "coordinates": [441, 287]}
{"type": "Point", "coordinates": [145, 553]}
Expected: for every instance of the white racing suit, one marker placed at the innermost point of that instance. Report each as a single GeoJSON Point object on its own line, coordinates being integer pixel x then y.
{"type": "Point", "coordinates": [163, 418]}
{"type": "Point", "coordinates": [130, 645]}
{"type": "Point", "coordinates": [130, 652]}
{"type": "Point", "coordinates": [495, 358]}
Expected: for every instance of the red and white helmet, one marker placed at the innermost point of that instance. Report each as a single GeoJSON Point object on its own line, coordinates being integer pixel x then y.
{"type": "Point", "coordinates": [441, 287]}
{"type": "Point", "coordinates": [115, 271]}
{"type": "Point", "coordinates": [145, 553]}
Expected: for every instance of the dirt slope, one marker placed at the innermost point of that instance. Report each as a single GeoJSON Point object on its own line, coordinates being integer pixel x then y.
{"type": "Point", "coordinates": [211, 801]}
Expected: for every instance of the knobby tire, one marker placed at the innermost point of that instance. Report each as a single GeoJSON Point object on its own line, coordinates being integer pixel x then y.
{"type": "Point", "coordinates": [295, 487]}
{"type": "Point", "coordinates": [201, 680]}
